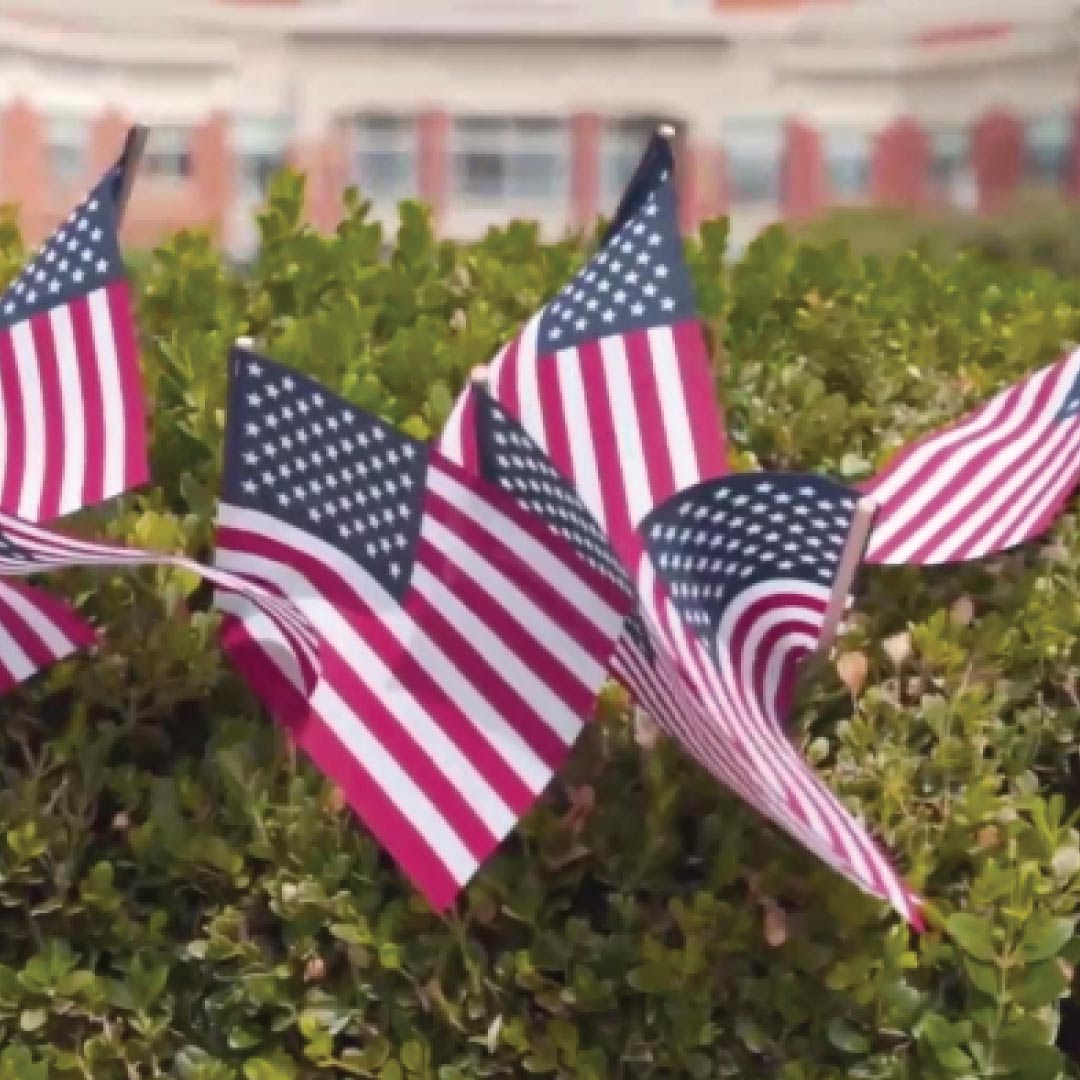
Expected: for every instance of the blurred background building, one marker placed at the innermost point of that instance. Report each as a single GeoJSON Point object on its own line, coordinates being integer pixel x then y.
{"type": "Point", "coordinates": [490, 109]}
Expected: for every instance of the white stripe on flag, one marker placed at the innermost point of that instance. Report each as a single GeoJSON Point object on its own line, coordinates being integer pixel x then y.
{"type": "Point", "coordinates": [35, 443]}
{"type": "Point", "coordinates": [73, 405]}
{"type": "Point", "coordinates": [675, 409]}
{"type": "Point", "coordinates": [627, 424]}
{"type": "Point", "coordinates": [112, 395]}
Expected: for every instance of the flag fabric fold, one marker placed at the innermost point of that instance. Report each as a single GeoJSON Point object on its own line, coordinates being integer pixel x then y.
{"type": "Point", "coordinates": [463, 644]}
{"type": "Point", "coordinates": [994, 479]}
{"type": "Point", "coordinates": [72, 416]}
{"type": "Point", "coordinates": [730, 593]}
{"type": "Point", "coordinates": [37, 629]}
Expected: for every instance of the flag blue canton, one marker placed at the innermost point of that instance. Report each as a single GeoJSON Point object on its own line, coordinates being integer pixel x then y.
{"type": "Point", "coordinates": [510, 459]}
{"type": "Point", "coordinates": [1070, 407]}
{"type": "Point", "coordinates": [714, 541]}
{"type": "Point", "coordinates": [301, 454]}
{"type": "Point", "coordinates": [82, 255]}
{"type": "Point", "coordinates": [636, 280]}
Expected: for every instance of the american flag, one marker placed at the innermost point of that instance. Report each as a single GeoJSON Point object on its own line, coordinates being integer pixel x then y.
{"type": "Point", "coordinates": [612, 377]}
{"type": "Point", "coordinates": [72, 425]}
{"type": "Point", "coordinates": [746, 566]}
{"type": "Point", "coordinates": [37, 629]}
{"type": "Point", "coordinates": [994, 479]}
{"type": "Point", "coordinates": [462, 643]}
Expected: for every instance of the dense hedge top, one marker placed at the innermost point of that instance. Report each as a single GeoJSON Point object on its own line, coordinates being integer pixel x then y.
{"type": "Point", "coordinates": [180, 897]}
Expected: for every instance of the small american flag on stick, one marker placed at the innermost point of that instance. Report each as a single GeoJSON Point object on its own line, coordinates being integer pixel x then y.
{"type": "Point", "coordinates": [612, 377]}
{"type": "Point", "coordinates": [992, 480]}
{"type": "Point", "coordinates": [462, 643]}
{"type": "Point", "coordinates": [72, 425]}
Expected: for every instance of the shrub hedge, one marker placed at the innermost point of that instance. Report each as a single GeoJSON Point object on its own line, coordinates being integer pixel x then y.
{"type": "Point", "coordinates": [181, 897]}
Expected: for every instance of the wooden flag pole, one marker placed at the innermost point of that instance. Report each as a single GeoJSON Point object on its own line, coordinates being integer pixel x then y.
{"type": "Point", "coordinates": [479, 376]}
{"type": "Point", "coordinates": [134, 145]}
{"type": "Point", "coordinates": [852, 555]}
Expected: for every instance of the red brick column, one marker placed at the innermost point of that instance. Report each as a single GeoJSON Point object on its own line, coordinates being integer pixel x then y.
{"type": "Point", "coordinates": [804, 188]}
{"type": "Point", "coordinates": [586, 133]}
{"type": "Point", "coordinates": [212, 164]}
{"type": "Point", "coordinates": [107, 135]}
{"type": "Point", "coordinates": [23, 165]}
{"type": "Point", "coordinates": [997, 149]}
{"type": "Point", "coordinates": [702, 183]}
{"type": "Point", "coordinates": [1072, 180]}
{"type": "Point", "coordinates": [433, 157]}
{"type": "Point", "coordinates": [899, 171]}
{"type": "Point", "coordinates": [323, 161]}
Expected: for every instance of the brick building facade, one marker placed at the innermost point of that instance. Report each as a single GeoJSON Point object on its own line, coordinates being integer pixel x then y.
{"type": "Point", "coordinates": [489, 110]}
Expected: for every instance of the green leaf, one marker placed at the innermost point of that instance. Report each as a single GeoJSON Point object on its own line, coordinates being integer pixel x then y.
{"type": "Point", "coordinates": [1045, 936]}
{"type": "Point", "coordinates": [274, 1067]}
{"type": "Point", "coordinates": [973, 935]}
{"type": "Point", "coordinates": [845, 1036]}
{"type": "Point", "coordinates": [1039, 984]}
{"type": "Point", "coordinates": [412, 1056]}
{"type": "Point", "coordinates": [32, 1019]}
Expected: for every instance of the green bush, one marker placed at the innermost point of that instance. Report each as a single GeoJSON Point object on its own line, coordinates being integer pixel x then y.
{"type": "Point", "coordinates": [180, 897]}
{"type": "Point", "coordinates": [1037, 230]}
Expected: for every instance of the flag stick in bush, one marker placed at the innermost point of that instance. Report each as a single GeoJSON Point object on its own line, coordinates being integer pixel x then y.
{"type": "Point", "coordinates": [850, 561]}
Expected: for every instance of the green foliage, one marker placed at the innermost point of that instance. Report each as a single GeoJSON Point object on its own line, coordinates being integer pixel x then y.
{"type": "Point", "coordinates": [1037, 229]}
{"type": "Point", "coordinates": [179, 897]}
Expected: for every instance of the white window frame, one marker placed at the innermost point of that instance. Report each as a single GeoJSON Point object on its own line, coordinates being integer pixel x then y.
{"type": "Point", "coordinates": [1054, 130]}
{"type": "Point", "coordinates": [513, 140]}
{"type": "Point", "coordinates": [169, 145]}
{"type": "Point", "coordinates": [67, 134]}
{"type": "Point", "coordinates": [399, 142]}
{"type": "Point", "coordinates": [756, 143]}
{"type": "Point", "coordinates": [855, 149]}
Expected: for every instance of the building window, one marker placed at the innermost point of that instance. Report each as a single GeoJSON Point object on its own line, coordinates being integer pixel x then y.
{"type": "Point", "coordinates": [847, 164]}
{"type": "Point", "coordinates": [623, 143]}
{"type": "Point", "coordinates": [1049, 143]}
{"type": "Point", "coordinates": [68, 143]}
{"type": "Point", "coordinates": [504, 159]}
{"type": "Point", "coordinates": [951, 175]}
{"type": "Point", "coordinates": [754, 149]}
{"type": "Point", "coordinates": [384, 163]}
{"type": "Point", "coordinates": [260, 144]}
{"type": "Point", "coordinates": [168, 153]}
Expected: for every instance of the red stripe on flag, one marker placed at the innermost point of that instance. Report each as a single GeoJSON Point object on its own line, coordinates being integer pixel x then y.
{"type": "Point", "coordinates": [699, 392]}
{"type": "Point", "coordinates": [504, 385]}
{"type": "Point", "coordinates": [14, 426]}
{"type": "Point", "coordinates": [650, 418]}
{"type": "Point", "coordinates": [94, 411]}
{"type": "Point", "coordinates": [554, 413]}
{"type": "Point", "coordinates": [136, 468]}
{"type": "Point", "coordinates": [619, 527]}
{"type": "Point", "coordinates": [53, 427]}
